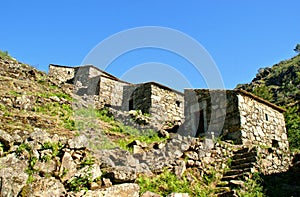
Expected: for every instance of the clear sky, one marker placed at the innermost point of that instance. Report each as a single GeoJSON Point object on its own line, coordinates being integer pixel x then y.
{"type": "Point", "coordinates": [240, 36]}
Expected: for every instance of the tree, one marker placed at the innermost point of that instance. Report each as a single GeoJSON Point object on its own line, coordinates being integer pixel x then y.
{"type": "Point", "coordinates": [297, 48]}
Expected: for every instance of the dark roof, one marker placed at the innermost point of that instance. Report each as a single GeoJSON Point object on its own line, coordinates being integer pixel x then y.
{"type": "Point", "coordinates": [280, 109]}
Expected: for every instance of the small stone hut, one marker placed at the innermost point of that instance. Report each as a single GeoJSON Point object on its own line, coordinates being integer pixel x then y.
{"type": "Point", "coordinates": [245, 118]}
{"type": "Point", "coordinates": [161, 102]}
{"type": "Point", "coordinates": [91, 80]}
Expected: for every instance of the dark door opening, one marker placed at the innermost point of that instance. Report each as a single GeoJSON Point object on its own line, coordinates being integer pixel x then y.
{"type": "Point", "coordinates": [130, 104]}
{"type": "Point", "coordinates": [199, 121]}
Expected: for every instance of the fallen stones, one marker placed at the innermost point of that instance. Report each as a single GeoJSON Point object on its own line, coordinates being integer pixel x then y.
{"type": "Point", "coordinates": [48, 187]}
{"type": "Point", "coordinates": [150, 194]}
{"type": "Point", "coordinates": [12, 175]}
{"type": "Point", "coordinates": [6, 140]}
{"type": "Point", "coordinates": [121, 174]}
{"type": "Point", "coordinates": [78, 142]}
{"type": "Point", "coordinates": [121, 190]}
{"type": "Point", "coordinates": [68, 167]}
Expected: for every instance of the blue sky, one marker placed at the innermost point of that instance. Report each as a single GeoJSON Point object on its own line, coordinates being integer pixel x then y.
{"type": "Point", "coordinates": [240, 36]}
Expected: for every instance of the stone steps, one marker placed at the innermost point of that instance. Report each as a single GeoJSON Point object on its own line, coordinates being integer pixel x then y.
{"type": "Point", "coordinates": [243, 155]}
{"type": "Point", "coordinates": [237, 171]}
{"type": "Point", "coordinates": [241, 151]}
{"type": "Point", "coordinates": [231, 193]}
{"type": "Point", "coordinates": [234, 177]}
{"type": "Point", "coordinates": [241, 167]}
{"type": "Point", "coordinates": [238, 162]}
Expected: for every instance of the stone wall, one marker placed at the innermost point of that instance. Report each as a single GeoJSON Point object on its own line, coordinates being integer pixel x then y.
{"type": "Point", "coordinates": [166, 105]}
{"type": "Point", "coordinates": [162, 103]}
{"type": "Point", "coordinates": [137, 97]}
{"type": "Point", "coordinates": [261, 123]}
{"type": "Point", "coordinates": [220, 113]}
{"type": "Point", "coordinates": [111, 92]}
{"type": "Point", "coordinates": [61, 73]}
{"type": "Point", "coordinates": [265, 126]}
{"type": "Point", "coordinates": [87, 80]}
{"type": "Point", "coordinates": [248, 120]}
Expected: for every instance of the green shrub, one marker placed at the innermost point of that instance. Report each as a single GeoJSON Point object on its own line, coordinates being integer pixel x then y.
{"type": "Point", "coordinates": [79, 183]}
{"type": "Point", "coordinates": [167, 182]}
{"type": "Point", "coordinates": [105, 115]}
{"type": "Point", "coordinates": [253, 187]}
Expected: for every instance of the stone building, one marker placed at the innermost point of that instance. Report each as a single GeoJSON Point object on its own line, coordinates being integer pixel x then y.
{"type": "Point", "coordinates": [161, 102]}
{"type": "Point", "coordinates": [164, 104]}
{"type": "Point", "coordinates": [242, 117]}
{"type": "Point", "coordinates": [91, 80]}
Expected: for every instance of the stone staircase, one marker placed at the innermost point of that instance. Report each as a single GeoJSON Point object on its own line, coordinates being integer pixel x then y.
{"type": "Point", "coordinates": [243, 163]}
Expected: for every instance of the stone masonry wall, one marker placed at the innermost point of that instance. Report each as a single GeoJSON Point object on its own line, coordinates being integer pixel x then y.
{"type": "Point", "coordinates": [61, 73]}
{"type": "Point", "coordinates": [87, 80]}
{"type": "Point", "coordinates": [220, 111]}
{"type": "Point", "coordinates": [264, 126]}
{"type": "Point", "coordinates": [261, 124]}
{"type": "Point", "coordinates": [111, 92]}
{"type": "Point", "coordinates": [166, 105]}
{"type": "Point", "coordinates": [139, 95]}
{"type": "Point", "coordinates": [163, 104]}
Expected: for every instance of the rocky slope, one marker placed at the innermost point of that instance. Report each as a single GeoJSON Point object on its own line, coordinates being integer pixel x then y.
{"type": "Point", "coordinates": [53, 144]}
{"type": "Point", "coordinates": [280, 84]}
{"type": "Point", "coordinates": [29, 99]}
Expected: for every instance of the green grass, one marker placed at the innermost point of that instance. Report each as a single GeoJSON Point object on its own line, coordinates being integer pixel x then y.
{"type": "Point", "coordinates": [148, 136]}
{"type": "Point", "coordinates": [55, 109]}
{"type": "Point", "coordinates": [79, 183]}
{"type": "Point", "coordinates": [167, 182]}
{"type": "Point", "coordinates": [105, 115]}
{"type": "Point", "coordinates": [5, 55]}
{"type": "Point", "coordinates": [253, 187]}
{"type": "Point", "coordinates": [57, 94]}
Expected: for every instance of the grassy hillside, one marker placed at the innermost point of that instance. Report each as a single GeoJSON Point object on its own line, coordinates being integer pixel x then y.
{"type": "Point", "coordinates": [32, 101]}
{"type": "Point", "coordinates": [280, 84]}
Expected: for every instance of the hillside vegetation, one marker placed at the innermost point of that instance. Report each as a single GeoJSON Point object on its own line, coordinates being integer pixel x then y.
{"type": "Point", "coordinates": [43, 151]}
{"type": "Point", "coordinates": [280, 84]}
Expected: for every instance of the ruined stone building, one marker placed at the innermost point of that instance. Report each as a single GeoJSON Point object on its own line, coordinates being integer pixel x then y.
{"type": "Point", "coordinates": [244, 117]}
{"type": "Point", "coordinates": [162, 103]}
{"type": "Point", "coordinates": [233, 114]}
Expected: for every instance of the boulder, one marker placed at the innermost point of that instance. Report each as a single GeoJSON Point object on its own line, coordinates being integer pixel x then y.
{"type": "Point", "coordinates": [121, 174]}
{"type": "Point", "coordinates": [6, 140]}
{"type": "Point", "coordinates": [123, 190]}
{"type": "Point", "coordinates": [78, 142]}
{"type": "Point", "coordinates": [39, 136]}
{"type": "Point", "coordinates": [12, 175]}
{"type": "Point", "coordinates": [45, 168]}
{"type": "Point", "coordinates": [46, 187]}
{"type": "Point", "coordinates": [67, 168]}
{"type": "Point", "coordinates": [150, 194]}
{"type": "Point", "coordinates": [94, 170]}
{"type": "Point", "coordinates": [180, 168]}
